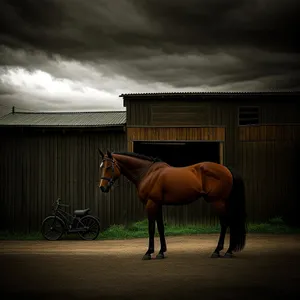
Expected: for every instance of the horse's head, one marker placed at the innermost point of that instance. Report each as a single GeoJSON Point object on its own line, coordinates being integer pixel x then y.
{"type": "Point", "coordinates": [109, 171]}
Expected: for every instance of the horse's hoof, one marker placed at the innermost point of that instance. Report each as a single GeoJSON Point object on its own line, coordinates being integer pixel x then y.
{"type": "Point", "coordinates": [215, 255]}
{"type": "Point", "coordinates": [160, 256]}
{"type": "Point", "coordinates": [228, 255]}
{"type": "Point", "coordinates": [146, 257]}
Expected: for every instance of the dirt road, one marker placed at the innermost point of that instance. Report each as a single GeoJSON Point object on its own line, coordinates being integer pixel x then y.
{"type": "Point", "coordinates": [268, 268]}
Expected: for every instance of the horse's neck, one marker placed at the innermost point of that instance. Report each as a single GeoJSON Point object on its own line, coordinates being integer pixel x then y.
{"type": "Point", "coordinates": [132, 168]}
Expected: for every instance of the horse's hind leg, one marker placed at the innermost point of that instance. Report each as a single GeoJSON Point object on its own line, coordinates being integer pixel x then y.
{"type": "Point", "coordinates": [161, 231]}
{"type": "Point", "coordinates": [220, 246]}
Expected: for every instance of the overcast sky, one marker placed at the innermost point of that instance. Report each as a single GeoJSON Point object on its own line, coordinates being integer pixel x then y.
{"type": "Point", "coordinates": [81, 55]}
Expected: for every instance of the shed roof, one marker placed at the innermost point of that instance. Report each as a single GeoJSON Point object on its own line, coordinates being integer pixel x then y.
{"type": "Point", "coordinates": [65, 119]}
{"type": "Point", "coordinates": [182, 94]}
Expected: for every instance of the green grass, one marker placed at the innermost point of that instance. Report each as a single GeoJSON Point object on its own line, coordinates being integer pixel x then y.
{"type": "Point", "coordinates": [140, 230]}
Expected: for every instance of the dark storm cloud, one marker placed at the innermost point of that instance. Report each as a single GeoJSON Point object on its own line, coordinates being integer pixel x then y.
{"type": "Point", "coordinates": [90, 28]}
{"type": "Point", "coordinates": [266, 24]}
{"type": "Point", "coordinates": [183, 43]}
{"type": "Point", "coordinates": [78, 29]}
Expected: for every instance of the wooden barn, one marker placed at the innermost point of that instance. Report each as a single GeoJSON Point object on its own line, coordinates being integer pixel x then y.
{"type": "Point", "coordinates": [257, 134]}
{"type": "Point", "coordinates": [46, 155]}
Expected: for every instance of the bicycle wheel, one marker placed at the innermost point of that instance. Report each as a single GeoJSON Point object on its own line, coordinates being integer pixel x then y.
{"type": "Point", "coordinates": [52, 228]}
{"type": "Point", "coordinates": [92, 228]}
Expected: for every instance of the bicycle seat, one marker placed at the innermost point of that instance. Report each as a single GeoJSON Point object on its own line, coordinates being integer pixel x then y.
{"type": "Point", "coordinates": [81, 212]}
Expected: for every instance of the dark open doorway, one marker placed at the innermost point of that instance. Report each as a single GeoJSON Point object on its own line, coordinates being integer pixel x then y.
{"type": "Point", "coordinates": [180, 154]}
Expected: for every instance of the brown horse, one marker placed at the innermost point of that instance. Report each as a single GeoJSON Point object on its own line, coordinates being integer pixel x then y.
{"type": "Point", "coordinates": [160, 184]}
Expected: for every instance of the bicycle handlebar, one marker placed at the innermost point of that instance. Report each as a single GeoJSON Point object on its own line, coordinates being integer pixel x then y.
{"type": "Point", "coordinates": [61, 204]}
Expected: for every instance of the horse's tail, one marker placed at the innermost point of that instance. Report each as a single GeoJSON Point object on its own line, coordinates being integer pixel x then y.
{"type": "Point", "coordinates": [237, 214]}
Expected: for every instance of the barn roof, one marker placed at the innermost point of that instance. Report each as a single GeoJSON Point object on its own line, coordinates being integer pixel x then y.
{"type": "Point", "coordinates": [64, 119]}
{"type": "Point", "coordinates": [182, 94]}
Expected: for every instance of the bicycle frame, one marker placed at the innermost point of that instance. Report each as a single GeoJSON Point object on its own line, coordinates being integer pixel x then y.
{"type": "Point", "coordinates": [63, 215]}
{"type": "Point", "coordinates": [62, 222]}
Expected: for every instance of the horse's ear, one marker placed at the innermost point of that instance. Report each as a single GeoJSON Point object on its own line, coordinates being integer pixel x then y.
{"type": "Point", "coordinates": [101, 153]}
{"type": "Point", "coordinates": [108, 154]}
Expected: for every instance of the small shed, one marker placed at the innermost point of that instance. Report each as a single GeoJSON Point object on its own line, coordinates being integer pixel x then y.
{"type": "Point", "coordinates": [45, 155]}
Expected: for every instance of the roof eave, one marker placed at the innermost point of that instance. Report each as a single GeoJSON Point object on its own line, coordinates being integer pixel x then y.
{"type": "Point", "coordinates": [61, 126]}
{"type": "Point", "coordinates": [209, 94]}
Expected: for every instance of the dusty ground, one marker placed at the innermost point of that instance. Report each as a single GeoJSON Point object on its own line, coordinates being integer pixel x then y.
{"type": "Point", "coordinates": [268, 268]}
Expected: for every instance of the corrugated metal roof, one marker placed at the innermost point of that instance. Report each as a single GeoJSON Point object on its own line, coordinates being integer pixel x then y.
{"type": "Point", "coordinates": [210, 94]}
{"type": "Point", "coordinates": [65, 119]}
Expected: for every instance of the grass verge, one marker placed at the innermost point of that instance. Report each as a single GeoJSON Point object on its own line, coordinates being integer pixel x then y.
{"type": "Point", "coordinates": [140, 230]}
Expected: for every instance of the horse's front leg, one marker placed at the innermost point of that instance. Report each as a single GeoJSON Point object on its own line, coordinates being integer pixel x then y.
{"type": "Point", "coordinates": [151, 209]}
{"type": "Point", "coordinates": [161, 231]}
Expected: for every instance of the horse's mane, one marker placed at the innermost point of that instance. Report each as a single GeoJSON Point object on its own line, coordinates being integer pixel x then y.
{"type": "Point", "coordinates": [140, 156]}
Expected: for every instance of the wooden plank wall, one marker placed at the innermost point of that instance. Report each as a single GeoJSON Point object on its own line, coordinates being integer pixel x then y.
{"type": "Point", "coordinates": [269, 163]}
{"type": "Point", "coordinates": [35, 169]}
{"type": "Point", "coordinates": [180, 114]}
{"type": "Point", "coordinates": [282, 132]}
{"type": "Point", "coordinates": [248, 149]}
{"type": "Point", "coordinates": [174, 134]}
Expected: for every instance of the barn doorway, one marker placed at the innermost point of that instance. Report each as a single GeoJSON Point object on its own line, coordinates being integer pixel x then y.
{"type": "Point", "coordinates": [181, 153]}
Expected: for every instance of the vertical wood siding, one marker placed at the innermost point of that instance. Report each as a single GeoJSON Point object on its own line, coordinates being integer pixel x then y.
{"type": "Point", "coordinates": [269, 165]}
{"type": "Point", "coordinates": [174, 134]}
{"type": "Point", "coordinates": [36, 168]}
{"type": "Point", "coordinates": [266, 155]}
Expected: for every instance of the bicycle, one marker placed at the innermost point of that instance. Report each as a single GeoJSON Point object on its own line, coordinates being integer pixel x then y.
{"type": "Point", "coordinates": [61, 222]}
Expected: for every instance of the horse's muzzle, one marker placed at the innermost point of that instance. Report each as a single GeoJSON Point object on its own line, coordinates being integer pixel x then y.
{"type": "Point", "coordinates": [104, 189]}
